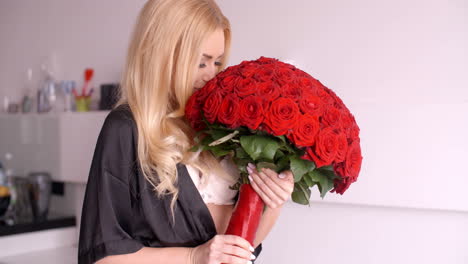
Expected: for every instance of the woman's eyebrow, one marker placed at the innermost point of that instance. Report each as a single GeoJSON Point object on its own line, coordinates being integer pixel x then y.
{"type": "Point", "coordinates": [210, 57]}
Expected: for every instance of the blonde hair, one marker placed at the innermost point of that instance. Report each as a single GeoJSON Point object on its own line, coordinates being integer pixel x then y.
{"type": "Point", "coordinates": [163, 56]}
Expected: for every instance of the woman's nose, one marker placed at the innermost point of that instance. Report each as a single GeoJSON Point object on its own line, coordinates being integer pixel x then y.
{"type": "Point", "coordinates": [210, 73]}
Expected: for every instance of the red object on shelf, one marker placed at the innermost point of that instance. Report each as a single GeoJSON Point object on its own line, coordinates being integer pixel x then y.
{"type": "Point", "coordinates": [247, 214]}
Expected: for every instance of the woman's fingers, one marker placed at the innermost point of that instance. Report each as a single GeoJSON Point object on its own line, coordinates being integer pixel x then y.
{"type": "Point", "coordinates": [266, 199]}
{"type": "Point", "coordinates": [239, 252]}
{"type": "Point", "coordinates": [236, 250]}
{"type": "Point", "coordinates": [227, 249]}
{"type": "Point", "coordinates": [238, 241]}
{"type": "Point", "coordinates": [286, 183]}
{"type": "Point", "coordinates": [268, 187]}
{"type": "Point", "coordinates": [229, 259]}
{"type": "Point", "coordinates": [273, 189]}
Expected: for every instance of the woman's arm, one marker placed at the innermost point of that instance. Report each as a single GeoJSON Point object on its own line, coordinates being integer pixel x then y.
{"type": "Point", "coordinates": [171, 255]}
{"type": "Point", "coordinates": [267, 222]}
{"type": "Point", "coordinates": [220, 249]}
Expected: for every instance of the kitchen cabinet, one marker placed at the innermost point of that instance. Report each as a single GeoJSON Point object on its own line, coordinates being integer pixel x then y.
{"type": "Point", "coordinates": [61, 144]}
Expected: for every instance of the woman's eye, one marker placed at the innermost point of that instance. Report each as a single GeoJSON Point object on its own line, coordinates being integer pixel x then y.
{"type": "Point", "coordinates": [217, 64]}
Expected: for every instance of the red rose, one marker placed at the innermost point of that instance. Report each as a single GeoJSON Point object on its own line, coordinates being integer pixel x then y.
{"type": "Point", "coordinates": [332, 117]}
{"type": "Point", "coordinates": [284, 75]}
{"type": "Point", "coordinates": [323, 95]}
{"type": "Point", "coordinates": [353, 160]}
{"type": "Point", "coordinates": [246, 87]}
{"type": "Point", "coordinates": [282, 116]}
{"type": "Point", "coordinates": [338, 102]}
{"type": "Point", "coordinates": [306, 83]}
{"type": "Point", "coordinates": [265, 60]}
{"type": "Point", "coordinates": [341, 185]}
{"type": "Point", "coordinates": [346, 120]}
{"type": "Point", "coordinates": [325, 148]}
{"type": "Point", "coordinates": [316, 84]}
{"type": "Point", "coordinates": [293, 91]}
{"type": "Point", "coordinates": [228, 83]}
{"type": "Point", "coordinates": [206, 90]}
{"type": "Point", "coordinates": [353, 132]}
{"type": "Point", "coordinates": [193, 112]}
{"type": "Point", "coordinates": [342, 143]}
{"type": "Point", "coordinates": [249, 70]}
{"type": "Point", "coordinates": [352, 165]}
{"type": "Point", "coordinates": [211, 106]}
{"type": "Point", "coordinates": [269, 91]}
{"type": "Point", "coordinates": [265, 74]}
{"type": "Point", "coordinates": [305, 131]}
{"type": "Point", "coordinates": [311, 104]}
{"type": "Point", "coordinates": [287, 66]}
{"type": "Point", "coordinates": [228, 114]}
{"type": "Point", "coordinates": [251, 112]}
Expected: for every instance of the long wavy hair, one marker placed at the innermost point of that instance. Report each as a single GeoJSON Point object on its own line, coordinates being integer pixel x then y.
{"type": "Point", "coordinates": [163, 56]}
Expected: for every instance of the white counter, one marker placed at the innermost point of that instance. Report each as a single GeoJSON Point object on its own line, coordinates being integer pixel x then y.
{"type": "Point", "coordinates": [60, 255]}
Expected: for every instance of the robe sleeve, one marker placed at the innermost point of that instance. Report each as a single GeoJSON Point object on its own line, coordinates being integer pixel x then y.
{"type": "Point", "coordinates": [106, 222]}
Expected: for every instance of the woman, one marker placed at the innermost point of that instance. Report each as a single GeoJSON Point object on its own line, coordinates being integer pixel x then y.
{"type": "Point", "coordinates": [148, 198]}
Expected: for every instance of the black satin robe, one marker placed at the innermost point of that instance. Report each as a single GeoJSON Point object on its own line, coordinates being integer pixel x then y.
{"type": "Point", "coordinates": [121, 213]}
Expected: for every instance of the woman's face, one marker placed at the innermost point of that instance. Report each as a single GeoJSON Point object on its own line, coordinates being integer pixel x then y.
{"type": "Point", "coordinates": [212, 51]}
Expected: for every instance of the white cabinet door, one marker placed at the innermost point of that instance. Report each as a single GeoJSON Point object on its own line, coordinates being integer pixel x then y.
{"type": "Point", "coordinates": [61, 144]}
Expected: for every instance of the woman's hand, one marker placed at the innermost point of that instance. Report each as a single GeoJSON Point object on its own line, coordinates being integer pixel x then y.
{"type": "Point", "coordinates": [274, 189]}
{"type": "Point", "coordinates": [227, 249]}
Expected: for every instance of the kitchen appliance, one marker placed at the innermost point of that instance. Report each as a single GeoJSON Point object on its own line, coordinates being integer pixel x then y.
{"type": "Point", "coordinates": [40, 188]}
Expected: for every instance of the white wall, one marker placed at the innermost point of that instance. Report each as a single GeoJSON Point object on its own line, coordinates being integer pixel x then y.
{"type": "Point", "coordinates": [331, 233]}
{"type": "Point", "coordinates": [399, 65]}
{"type": "Point", "coordinates": [73, 34]}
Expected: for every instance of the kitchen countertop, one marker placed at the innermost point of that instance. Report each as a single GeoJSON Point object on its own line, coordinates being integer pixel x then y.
{"type": "Point", "coordinates": [53, 221]}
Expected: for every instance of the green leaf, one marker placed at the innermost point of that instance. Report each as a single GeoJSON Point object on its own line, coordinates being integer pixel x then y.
{"type": "Point", "coordinates": [217, 134]}
{"type": "Point", "coordinates": [242, 165]}
{"type": "Point", "coordinates": [259, 147]}
{"type": "Point", "coordinates": [223, 139]}
{"type": "Point", "coordinates": [195, 148]}
{"type": "Point", "coordinates": [299, 167]}
{"type": "Point", "coordinates": [206, 140]}
{"type": "Point", "coordinates": [283, 164]}
{"type": "Point", "coordinates": [301, 193]}
{"type": "Point", "coordinates": [241, 154]}
{"type": "Point", "coordinates": [308, 180]}
{"type": "Point", "coordinates": [268, 165]}
{"type": "Point", "coordinates": [282, 138]}
{"type": "Point", "coordinates": [219, 151]}
{"type": "Point", "coordinates": [279, 154]}
{"type": "Point", "coordinates": [329, 173]}
{"type": "Point", "coordinates": [328, 168]}
{"type": "Point", "coordinates": [324, 183]}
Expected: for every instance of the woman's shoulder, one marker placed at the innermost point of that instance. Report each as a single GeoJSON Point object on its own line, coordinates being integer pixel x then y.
{"type": "Point", "coordinates": [120, 117]}
{"type": "Point", "coordinates": [121, 114]}
{"type": "Point", "coordinates": [118, 136]}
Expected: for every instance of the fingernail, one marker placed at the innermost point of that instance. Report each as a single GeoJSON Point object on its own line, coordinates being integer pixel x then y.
{"type": "Point", "coordinates": [250, 178]}
{"type": "Point", "coordinates": [252, 257]}
{"type": "Point", "coordinates": [252, 249]}
{"type": "Point", "coordinates": [251, 165]}
{"type": "Point", "coordinates": [282, 175]}
{"type": "Point", "coordinates": [249, 170]}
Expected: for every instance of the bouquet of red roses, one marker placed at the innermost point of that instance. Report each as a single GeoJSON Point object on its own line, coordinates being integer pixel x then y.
{"type": "Point", "coordinates": [277, 116]}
